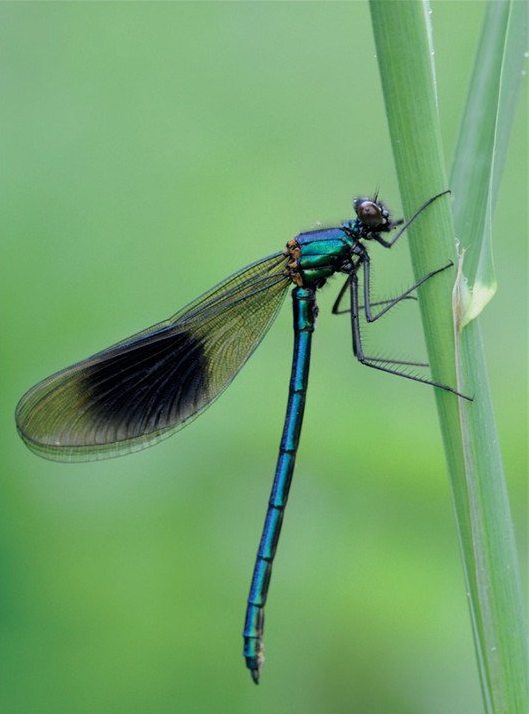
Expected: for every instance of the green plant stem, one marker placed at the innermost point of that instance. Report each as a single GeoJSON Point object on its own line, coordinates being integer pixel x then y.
{"type": "Point", "coordinates": [404, 51]}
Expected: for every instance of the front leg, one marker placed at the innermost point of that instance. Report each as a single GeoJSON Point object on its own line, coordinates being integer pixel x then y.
{"type": "Point", "coordinates": [391, 303]}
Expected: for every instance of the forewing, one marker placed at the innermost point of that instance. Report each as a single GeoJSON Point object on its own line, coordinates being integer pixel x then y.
{"type": "Point", "coordinates": [143, 389]}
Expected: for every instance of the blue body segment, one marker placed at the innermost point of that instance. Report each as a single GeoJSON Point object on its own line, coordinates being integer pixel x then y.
{"type": "Point", "coordinates": [326, 235]}
{"type": "Point", "coordinates": [304, 308]}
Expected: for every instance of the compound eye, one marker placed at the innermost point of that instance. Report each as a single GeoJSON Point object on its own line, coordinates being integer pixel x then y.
{"type": "Point", "coordinates": [369, 212]}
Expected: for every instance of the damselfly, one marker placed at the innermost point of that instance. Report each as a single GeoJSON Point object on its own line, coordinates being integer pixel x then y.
{"type": "Point", "coordinates": [145, 388]}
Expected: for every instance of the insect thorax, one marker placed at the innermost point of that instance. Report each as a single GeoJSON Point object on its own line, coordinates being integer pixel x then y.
{"type": "Point", "coordinates": [316, 255]}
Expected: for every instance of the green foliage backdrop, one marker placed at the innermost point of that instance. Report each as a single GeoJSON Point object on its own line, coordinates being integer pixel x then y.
{"type": "Point", "coordinates": [149, 150]}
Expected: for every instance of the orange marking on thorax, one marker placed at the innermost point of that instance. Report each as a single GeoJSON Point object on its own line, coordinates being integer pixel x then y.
{"type": "Point", "coordinates": [294, 252]}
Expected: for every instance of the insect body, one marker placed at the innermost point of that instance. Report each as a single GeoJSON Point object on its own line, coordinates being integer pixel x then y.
{"type": "Point", "coordinates": [145, 388]}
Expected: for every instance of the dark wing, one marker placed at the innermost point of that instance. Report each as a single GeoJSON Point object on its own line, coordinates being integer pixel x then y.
{"type": "Point", "coordinates": [143, 389]}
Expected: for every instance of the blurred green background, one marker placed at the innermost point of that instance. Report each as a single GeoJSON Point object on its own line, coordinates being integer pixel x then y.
{"type": "Point", "coordinates": [149, 150]}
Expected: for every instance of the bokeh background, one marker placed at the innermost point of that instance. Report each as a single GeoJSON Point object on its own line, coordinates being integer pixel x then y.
{"type": "Point", "coordinates": [149, 150]}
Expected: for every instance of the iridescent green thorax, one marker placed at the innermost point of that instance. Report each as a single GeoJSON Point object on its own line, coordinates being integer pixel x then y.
{"type": "Point", "coordinates": [316, 255]}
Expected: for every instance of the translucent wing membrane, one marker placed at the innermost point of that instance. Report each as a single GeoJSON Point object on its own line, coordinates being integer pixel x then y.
{"type": "Point", "coordinates": [143, 389]}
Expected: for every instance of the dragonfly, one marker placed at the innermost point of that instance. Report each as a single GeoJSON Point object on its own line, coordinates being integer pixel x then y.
{"type": "Point", "coordinates": [145, 388]}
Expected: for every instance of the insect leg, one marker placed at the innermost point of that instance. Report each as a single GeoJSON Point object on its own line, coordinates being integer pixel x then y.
{"type": "Point", "coordinates": [379, 362]}
{"type": "Point", "coordinates": [390, 303]}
